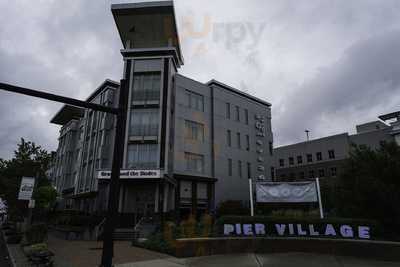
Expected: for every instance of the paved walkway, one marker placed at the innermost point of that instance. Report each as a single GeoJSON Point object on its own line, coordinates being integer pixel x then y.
{"type": "Point", "coordinates": [4, 258]}
{"type": "Point", "coordinates": [88, 253]}
{"type": "Point", "coordinates": [268, 260]}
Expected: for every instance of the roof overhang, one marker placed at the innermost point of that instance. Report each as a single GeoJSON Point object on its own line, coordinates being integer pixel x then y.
{"type": "Point", "coordinates": [147, 25]}
{"type": "Point", "coordinates": [66, 114]}
{"type": "Point", "coordinates": [389, 116]}
{"type": "Point", "coordinates": [238, 92]}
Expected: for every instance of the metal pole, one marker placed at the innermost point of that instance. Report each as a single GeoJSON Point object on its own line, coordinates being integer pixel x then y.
{"type": "Point", "coordinates": [57, 98]}
{"type": "Point", "coordinates": [321, 211]}
{"type": "Point", "coordinates": [112, 212]}
{"type": "Point", "coordinates": [251, 198]}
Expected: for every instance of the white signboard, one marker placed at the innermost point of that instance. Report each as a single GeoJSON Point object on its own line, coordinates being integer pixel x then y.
{"type": "Point", "coordinates": [286, 192]}
{"type": "Point", "coordinates": [26, 189]}
{"type": "Point", "coordinates": [131, 174]}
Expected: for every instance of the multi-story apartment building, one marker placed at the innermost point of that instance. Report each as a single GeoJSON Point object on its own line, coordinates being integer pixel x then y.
{"type": "Point", "coordinates": [189, 145]}
{"type": "Point", "coordinates": [324, 157]}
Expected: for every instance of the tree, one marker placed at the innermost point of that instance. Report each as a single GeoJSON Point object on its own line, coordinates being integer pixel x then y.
{"type": "Point", "coordinates": [370, 185]}
{"type": "Point", "coordinates": [29, 160]}
{"type": "Point", "coordinates": [45, 196]}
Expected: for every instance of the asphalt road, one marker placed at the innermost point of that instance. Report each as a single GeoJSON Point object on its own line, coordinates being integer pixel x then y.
{"type": "Point", "coordinates": [4, 261]}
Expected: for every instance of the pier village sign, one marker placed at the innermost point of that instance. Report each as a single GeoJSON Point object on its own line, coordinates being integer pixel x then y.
{"type": "Point", "coordinates": [298, 230]}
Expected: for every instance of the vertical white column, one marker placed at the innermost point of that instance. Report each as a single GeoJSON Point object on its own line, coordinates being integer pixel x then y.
{"type": "Point", "coordinates": [321, 211]}
{"type": "Point", "coordinates": [157, 195]}
{"type": "Point", "coordinates": [165, 202]}
{"type": "Point", "coordinates": [251, 198]}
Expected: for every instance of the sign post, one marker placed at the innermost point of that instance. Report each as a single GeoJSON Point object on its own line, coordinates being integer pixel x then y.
{"type": "Point", "coordinates": [251, 198]}
{"type": "Point", "coordinates": [321, 211]}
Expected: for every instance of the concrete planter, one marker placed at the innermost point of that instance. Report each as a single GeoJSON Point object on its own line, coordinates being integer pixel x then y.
{"type": "Point", "coordinates": [193, 247]}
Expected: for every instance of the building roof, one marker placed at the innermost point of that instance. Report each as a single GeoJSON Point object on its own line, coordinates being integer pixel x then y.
{"type": "Point", "coordinates": [238, 92]}
{"type": "Point", "coordinates": [322, 139]}
{"type": "Point", "coordinates": [147, 25]}
{"type": "Point", "coordinates": [68, 112]}
{"type": "Point", "coordinates": [389, 116]}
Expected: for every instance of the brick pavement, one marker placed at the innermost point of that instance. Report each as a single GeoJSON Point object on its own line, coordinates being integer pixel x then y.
{"type": "Point", "coordinates": [88, 253]}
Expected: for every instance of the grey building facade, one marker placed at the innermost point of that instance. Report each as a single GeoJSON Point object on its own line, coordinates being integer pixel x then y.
{"type": "Point", "coordinates": [189, 145]}
{"type": "Point", "coordinates": [324, 157]}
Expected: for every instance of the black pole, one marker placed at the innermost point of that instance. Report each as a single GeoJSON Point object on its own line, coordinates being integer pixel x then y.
{"type": "Point", "coordinates": [112, 212]}
{"type": "Point", "coordinates": [57, 98]}
{"type": "Point", "coordinates": [108, 245]}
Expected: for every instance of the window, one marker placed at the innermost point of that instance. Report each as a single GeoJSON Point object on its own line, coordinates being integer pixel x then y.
{"type": "Point", "coordinates": [311, 174]}
{"type": "Point", "coordinates": [331, 154]}
{"type": "Point", "coordinates": [229, 138]}
{"type": "Point", "coordinates": [291, 160]}
{"type": "Point", "coordinates": [230, 167]}
{"type": "Point", "coordinates": [194, 101]}
{"type": "Point", "coordinates": [271, 149]}
{"type": "Point", "coordinates": [237, 113]}
{"type": "Point", "coordinates": [194, 131]}
{"type": "Point", "coordinates": [146, 87]}
{"type": "Point", "coordinates": [246, 116]}
{"type": "Point", "coordinates": [333, 171]}
{"type": "Point", "coordinates": [239, 145]}
{"type": "Point", "coordinates": [321, 173]}
{"type": "Point", "coordinates": [292, 176]}
{"type": "Point", "coordinates": [228, 110]}
{"type": "Point", "coordinates": [240, 168]}
{"type": "Point", "coordinates": [281, 162]}
{"type": "Point", "coordinates": [248, 170]}
{"type": "Point", "coordinates": [301, 175]}
{"type": "Point", "coordinates": [299, 159]}
{"type": "Point", "coordinates": [319, 156]}
{"type": "Point", "coordinates": [194, 162]}
{"type": "Point", "coordinates": [309, 157]}
{"type": "Point", "coordinates": [144, 122]}
{"type": "Point", "coordinates": [247, 142]}
{"type": "Point", "coordinates": [142, 156]}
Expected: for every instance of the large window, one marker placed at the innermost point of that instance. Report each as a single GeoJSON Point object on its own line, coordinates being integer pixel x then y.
{"type": "Point", "coordinates": [144, 122]}
{"type": "Point", "coordinates": [331, 154]}
{"type": "Point", "coordinates": [194, 131]}
{"type": "Point", "coordinates": [142, 156]}
{"type": "Point", "coordinates": [194, 162]}
{"type": "Point", "coordinates": [146, 87]}
{"type": "Point", "coordinates": [229, 138]}
{"type": "Point", "coordinates": [237, 116]}
{"type": "Point", "coordinates": [228, 110]}
{"type": "Point", "coordinates": [246, 116]}
{"type": "Point", "coordinates": [239, 145]}
{"type": "Point", "coordinates": [194, 100]}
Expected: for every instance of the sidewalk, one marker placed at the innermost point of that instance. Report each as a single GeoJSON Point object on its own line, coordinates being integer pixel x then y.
{"type": "Point", "coordinates": [88, 253]}
{"type": "Point", "coordinates": [267, 260]}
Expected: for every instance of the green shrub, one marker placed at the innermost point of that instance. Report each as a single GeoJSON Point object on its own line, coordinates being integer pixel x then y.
{"type": "Point", "coordinates": [37, 233]}
{"type": "Point", "coordinates": [292, 213]}
{"type": "Point", "coordinates": [188, 227]}
{"type": "Point", "coordinates": [36, 248]}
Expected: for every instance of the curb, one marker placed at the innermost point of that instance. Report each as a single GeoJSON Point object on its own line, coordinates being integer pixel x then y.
{"type": "Point", "coordinates": [12, 260]}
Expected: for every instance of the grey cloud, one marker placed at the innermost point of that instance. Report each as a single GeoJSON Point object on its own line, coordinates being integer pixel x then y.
{"type": "Point", "coordinates": [69, 47]}
{"type": "Point", "coordinates": [366, 78]}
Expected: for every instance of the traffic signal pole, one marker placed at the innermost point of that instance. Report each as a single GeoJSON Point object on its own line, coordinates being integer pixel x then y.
{"type": "Point", "coordinates": [120, 112]}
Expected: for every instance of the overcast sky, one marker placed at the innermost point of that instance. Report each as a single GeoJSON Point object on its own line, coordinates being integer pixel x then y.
{"type": "Point", "coordinates": [324, 65]}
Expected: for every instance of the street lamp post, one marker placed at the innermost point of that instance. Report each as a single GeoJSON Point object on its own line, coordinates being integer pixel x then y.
{"type": "Point", "coordinates": [120, 112]}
